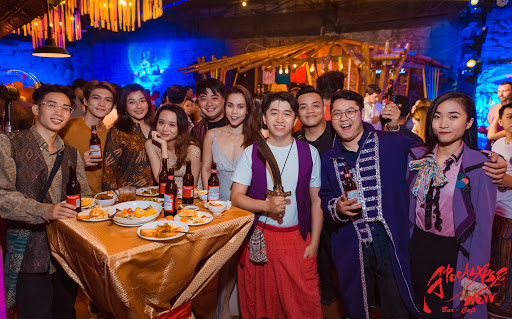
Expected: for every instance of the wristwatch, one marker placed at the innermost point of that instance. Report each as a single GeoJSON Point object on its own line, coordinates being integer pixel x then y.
{"type": "Point", "coordinates": [394, 129]}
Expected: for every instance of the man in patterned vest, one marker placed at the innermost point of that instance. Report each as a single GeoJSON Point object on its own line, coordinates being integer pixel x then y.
{"type": "Point", "coordinates": [35, 282]}
{"type": "Point", "coordinates": [278, 277]}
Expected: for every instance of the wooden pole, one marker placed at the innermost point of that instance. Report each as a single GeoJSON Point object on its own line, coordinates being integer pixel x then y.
{"type": "Point", "coordinates": [366, 65]}
{"type": "Point", "coordinates": [256, 79]}
{"type": "Point", "coordinates": [424, 82]}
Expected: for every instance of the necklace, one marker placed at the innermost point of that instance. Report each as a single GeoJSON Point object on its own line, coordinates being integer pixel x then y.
{"type": "Point", "coordinates": [286, 160]}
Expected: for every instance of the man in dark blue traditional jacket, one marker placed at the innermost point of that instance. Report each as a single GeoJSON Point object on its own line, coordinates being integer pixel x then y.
{"type": "Point", "coordinates": [370, 245]}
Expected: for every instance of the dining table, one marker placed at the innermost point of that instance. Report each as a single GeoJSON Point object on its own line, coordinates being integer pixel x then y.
{"type": "Point", "coordinates": [131, 277]}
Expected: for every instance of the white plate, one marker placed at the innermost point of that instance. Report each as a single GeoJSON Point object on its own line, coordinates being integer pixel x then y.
{"type": "Point", "coordinates": [133, 205]}
{"type": "Point", "coordinates": [190, 222]}
{"type": "Point", "coordinates": [85, 207]}
{"type": "Point", "coordinates": [140, 191]}
{"type": "Point", "coordinates": [127, 225]}
{"type": "Point", "coordinates": [162, 222]}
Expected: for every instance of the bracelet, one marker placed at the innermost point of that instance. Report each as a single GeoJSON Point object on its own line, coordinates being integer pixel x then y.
{"type": "Point", "coordinates": [394, 129]}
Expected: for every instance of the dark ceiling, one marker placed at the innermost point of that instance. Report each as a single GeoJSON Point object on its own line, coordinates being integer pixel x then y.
{"type": "Point", "coordinates": [229, 19]}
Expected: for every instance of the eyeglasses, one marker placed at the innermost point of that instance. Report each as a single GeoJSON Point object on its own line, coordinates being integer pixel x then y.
{"type": "Point", "coordinates": [350, 113]}
{"type": "Point", "coordinates": [53, 106]}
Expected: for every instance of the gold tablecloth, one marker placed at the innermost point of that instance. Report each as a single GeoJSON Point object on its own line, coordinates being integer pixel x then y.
{"type": "Point", "coordinates": [136, 278]}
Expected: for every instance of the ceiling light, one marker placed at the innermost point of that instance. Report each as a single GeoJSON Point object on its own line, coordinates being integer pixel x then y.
{"type": "Point", "coordinates": [244, 3]}
{"type": "Point", "coordinates": [50, 48]}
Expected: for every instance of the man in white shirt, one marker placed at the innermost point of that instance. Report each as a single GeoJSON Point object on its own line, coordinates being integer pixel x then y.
{"type": "Point", "coordinates": [278, 274]}
{"type": "Point", "coordinates": [371, 97]}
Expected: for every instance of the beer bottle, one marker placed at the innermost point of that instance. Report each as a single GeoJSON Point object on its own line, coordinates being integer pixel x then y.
{"type": "Point", "coordinates": [162, 178]}
{"type": "Point", "coordinates": [213, 184]}
{"type": "Point", "coordinates": [95, 142]}
{"type": "Point", "coordinates": [170, 194]}
{"type": "Point", "coordinates": [73, 196]}
{"type": "Point", "coordinates": [350, 186]}
{"type": "Point", "coordinates": [7, 117]}
{"type": "Point", "coordinates": [188, 186]}
{"type": "Point", "coordinates": [389, 96]}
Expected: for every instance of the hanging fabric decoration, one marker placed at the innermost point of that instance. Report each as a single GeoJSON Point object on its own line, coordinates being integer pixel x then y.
{"type": "Point", "coordinates": [114, 15]}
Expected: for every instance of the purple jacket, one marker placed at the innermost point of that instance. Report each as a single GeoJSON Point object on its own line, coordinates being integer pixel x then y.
{"type": "Point", "coordinates": [345, 246]}
{"type": "Point", "coordinates": [258, 187]}
{"type": "Point", "coordinates": [473, 214]}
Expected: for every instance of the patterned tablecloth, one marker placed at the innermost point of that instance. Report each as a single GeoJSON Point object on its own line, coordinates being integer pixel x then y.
{"type": "Point", "coordinates": [136, 278]}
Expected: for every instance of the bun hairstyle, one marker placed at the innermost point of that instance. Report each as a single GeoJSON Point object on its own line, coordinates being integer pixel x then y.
{"type": "Point", "coordinates": [467, 104]}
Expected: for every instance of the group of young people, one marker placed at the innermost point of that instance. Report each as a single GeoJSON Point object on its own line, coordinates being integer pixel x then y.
{"type": "Point", "coordinates": [418, 207]}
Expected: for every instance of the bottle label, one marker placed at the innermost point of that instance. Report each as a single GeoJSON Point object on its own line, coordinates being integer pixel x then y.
{"type": "Point", "coordinates": [354, 194]}
{"type": "Point", "coordinates": [168, 202]}
{"type": "Point", "coordinates": [74, 200]}
{"type": "Point", "coordinates": [170, 177]}
{"type": "Point", "coordinates": [213, 193]}
{"type": "Point", "coordinates": [188, 191]}
{"type": "Point", "coordinates": [96, 147]}
{"type": "Point", "coordinates": [162, 188]}
{"type": "Point", "coordinates": [214, 171]}
{"type": "Point", "coordinates": [384, 103]}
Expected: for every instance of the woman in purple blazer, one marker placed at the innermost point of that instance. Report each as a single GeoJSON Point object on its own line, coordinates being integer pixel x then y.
{"type": "Point", "coordinates": [451, 213]}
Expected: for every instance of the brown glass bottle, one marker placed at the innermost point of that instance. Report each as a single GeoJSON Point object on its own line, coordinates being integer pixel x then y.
{"type": "Point", "coordinates": [350, 187]}
{"type": "Point", "coordinates": [170, 195]}
{"type": "Point", "coordinates": [389, 96]}
{"type": "Point", "coordinates": [7, 118]}
{"type": "Point", "coordinates": [188, 186]}
{"type": "Point", "coordinates": [213, 184]}
{"type": "Point", "coordinates": [73, 196]}
{"type": "Point", "coordinates": [162, 178]}
{"type": "Point", "coordinates": [95, 142]}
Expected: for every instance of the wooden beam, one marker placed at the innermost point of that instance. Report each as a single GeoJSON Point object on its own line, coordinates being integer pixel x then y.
{"type": "Point", "coordinates": [396, 69]}
{"type": "Point", "coordinates": [353, 56]}
{"type": "Point", "coordinates": [256, 79]}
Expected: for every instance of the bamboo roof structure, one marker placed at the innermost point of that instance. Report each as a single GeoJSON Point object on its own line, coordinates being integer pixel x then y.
{"type": "Point", "coordinates": [321, 54]}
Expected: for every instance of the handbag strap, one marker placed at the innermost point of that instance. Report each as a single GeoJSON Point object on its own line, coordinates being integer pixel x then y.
{"type": "Point", "coordinates": [56, 166]}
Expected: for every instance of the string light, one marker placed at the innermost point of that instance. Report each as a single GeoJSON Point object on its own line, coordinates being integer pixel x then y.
{"type": "Point", "coordinates": [295, 66]}
{"type": "Point", "coordinates": [281, 69]}
{"type": "Point", "coordinates": [244, 3]}
{"type": "Point", "coordinates": [312, 68]}
{"type": "Point", "coordinates": [286, 69]}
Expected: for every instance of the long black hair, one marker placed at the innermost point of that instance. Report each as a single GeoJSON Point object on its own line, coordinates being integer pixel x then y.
{"type": "Point", "coordinates": [467, 104]}
{"type": "Point", "coordinates": [250, 129]}
{"type": "Point", "coordinates": [124, 122]}
{"type": "Point", "coordinates": [183, 139]}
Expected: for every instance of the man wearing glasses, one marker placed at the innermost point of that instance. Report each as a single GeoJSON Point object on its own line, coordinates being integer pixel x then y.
{"type": "Point", "coordinates": [28, 159]}
{"type": "Point", "coordinates": [370, 241]}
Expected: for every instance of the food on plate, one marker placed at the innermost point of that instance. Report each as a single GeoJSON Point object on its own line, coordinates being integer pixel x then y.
{"type": "Point", "coordinates": [161, 231]}
{"type": "Point", "coordinates": [190, 216]}
{"type": "Point", "coordinates": [150, 191]}
{"type": "Point", "coordinates": [86, 201]}
{"type": "Point", "coordinates": [185, 212]}
{"type": "Point", "coordinates": [129, 213]}
{"type": "Point", "coordinates": [203, 192]}
{"type": "Point", "coordinates": [105, 196]}
{"type": "Point", "coordinates": [215, 204]}
{"type": "Point", "coordinates": [95, 213]}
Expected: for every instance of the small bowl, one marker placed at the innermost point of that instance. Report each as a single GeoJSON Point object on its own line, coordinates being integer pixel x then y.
{"type": "Point", "coordinates": [203, 195]}
{"type": "Point", "coordinates": [106, 202]}
{"type": "Point", "coordinates": [217, 210]}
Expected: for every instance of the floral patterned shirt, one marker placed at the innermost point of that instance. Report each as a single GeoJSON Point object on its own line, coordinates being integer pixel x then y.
{"type": "Point", "coordinates": [125, 160]}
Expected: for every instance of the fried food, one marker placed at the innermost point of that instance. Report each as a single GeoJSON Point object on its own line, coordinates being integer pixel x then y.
{"type": "Point", "coordinates": [186, 212]}
{"type": "Point", "coordinates": [150, 191]}
{"type": "Point", "coordinates": [138, 213]}
{"type": "Point", "coordinates": [95, 213]}
{"type": "Point", "coordinates": [86, 201]}
{"type": "Point", "coordinates": [161, 231]}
